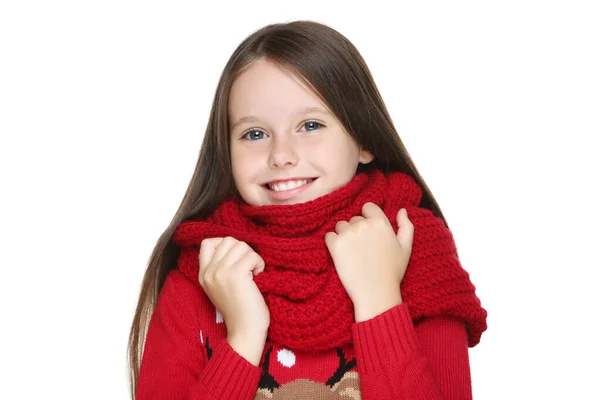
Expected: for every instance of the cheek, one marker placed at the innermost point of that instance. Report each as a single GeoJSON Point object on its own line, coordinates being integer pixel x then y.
{"type": "Point", "coordinates": [237, 161]}
{"type": "Point", "coordinates": [245, 164]}
{"type": "Point", "coordinates": [321, 150]}
{"type": "Point", "coordinates": [238, 174]}
{"type": "Point", "coordinates": [335, 153]}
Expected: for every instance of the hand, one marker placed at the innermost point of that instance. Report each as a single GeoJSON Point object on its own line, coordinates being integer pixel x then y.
{"type": "Point", "coordinates": [227, 267]}
{"type": "Point", "coordinates": [371, 259]}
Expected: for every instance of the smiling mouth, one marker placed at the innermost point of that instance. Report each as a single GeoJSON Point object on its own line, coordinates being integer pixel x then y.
{"type": "Point", "coordinates": [289, 185]}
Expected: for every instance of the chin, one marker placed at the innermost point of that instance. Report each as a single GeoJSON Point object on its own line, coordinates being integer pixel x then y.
{"type": "Point", "coordinates": [294, 201]}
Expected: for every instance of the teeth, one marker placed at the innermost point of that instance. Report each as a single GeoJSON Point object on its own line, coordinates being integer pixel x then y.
{"type": "Point", "coordinates": [287, 185]}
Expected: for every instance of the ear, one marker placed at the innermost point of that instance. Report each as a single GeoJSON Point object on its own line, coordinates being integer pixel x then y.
{"type": "Point", "coordinates": [365, 157]}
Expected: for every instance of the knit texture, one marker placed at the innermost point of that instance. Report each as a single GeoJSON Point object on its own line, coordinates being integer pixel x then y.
{"type": "Point", "coordinates": [309, 307]}
{"type": "Point", "coordinates": [187, 356]}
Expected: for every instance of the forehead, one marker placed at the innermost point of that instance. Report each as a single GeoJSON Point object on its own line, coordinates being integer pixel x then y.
{"type": "Point", "coordinates": [266, 90]}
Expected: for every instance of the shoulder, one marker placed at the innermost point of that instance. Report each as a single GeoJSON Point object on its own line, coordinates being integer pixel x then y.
{"type": "Point", "coordinates": [177, 279]}
{"type": "Point", "coordinates": [178, 289]}
{"type": "Point", "coordinates": [192, 301]}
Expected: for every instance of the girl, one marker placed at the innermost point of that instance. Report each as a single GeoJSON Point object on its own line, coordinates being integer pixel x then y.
{"type": "Point", "coordinates": [308, 258]}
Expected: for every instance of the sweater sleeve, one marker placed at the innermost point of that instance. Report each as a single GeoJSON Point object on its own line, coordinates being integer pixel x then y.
{"type": "Point", "coordinates": [397, 360]}
{"type": "Point", "coordinates": [174, 367]}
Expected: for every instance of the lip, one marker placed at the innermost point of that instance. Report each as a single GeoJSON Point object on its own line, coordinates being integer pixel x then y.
{"type": "Point", "coordinates": [289, 179]}
{"type": "Point", "coordinates": [288, 194]}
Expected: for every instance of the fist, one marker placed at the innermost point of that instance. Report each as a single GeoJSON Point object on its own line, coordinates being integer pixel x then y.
{"type": "Point", "coordinates": [227, 268]}
{"type": "Point", "coordinates": [371, 259]}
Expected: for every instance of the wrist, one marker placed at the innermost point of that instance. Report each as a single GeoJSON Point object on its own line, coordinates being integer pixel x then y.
{"type": "Point", "coordinates": [376, 305]}
{"type": "Point", "coordinates": [248, 345]}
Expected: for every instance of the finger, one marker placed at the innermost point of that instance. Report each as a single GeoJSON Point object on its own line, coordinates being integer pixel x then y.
{"type": "Point", "coordinates": [235, 253]}
{"type": "Point", "coordinates": [205, 255]}
{"type": "Point", "coordinates": [330, 238]}
{"type": "Point", "coordinates": [372, 210]}
{"type": "Point", "coordinates": [250, 262]}
{"type": "Point", "coordinates": [356, 218]}
{"type": "Point", "coordinates": [260, 265]}
{"type": "Point", "coordinates": [223, 248]}
{"type": "Point", "coordinates": [406, 229]}
{"type": "Point", "coordinates": [341, 226]}
{"type": "Point", "coordinates": [220, 251]}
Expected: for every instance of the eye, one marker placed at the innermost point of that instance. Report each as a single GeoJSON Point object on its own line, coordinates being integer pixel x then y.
{"type": "Point", "coordinates": [313, 124]}
{"type": "Point", "coordinates": [253, 134]}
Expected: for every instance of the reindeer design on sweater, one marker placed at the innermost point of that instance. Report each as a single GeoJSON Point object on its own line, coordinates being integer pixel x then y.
{"type": "Point", "coordinates": [343, 384]}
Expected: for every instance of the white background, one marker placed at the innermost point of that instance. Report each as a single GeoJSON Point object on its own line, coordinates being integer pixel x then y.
{"type": "Point", "coordinates": [102, 110]}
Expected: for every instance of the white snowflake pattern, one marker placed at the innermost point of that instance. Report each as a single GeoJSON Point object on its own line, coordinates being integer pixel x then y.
{"type": "Point", "coordinates": [286, 358]}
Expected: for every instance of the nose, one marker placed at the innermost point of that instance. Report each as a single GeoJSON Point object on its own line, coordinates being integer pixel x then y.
{"type": "Point", "coordinates": [283, 152]}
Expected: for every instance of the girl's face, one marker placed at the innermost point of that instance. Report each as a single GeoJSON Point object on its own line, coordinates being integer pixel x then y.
{"type": "Point", "coordinates": [286, 148]}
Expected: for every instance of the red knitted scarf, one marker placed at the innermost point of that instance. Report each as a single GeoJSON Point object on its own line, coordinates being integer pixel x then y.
{"type": "Point", "coordinates": [310, 309]}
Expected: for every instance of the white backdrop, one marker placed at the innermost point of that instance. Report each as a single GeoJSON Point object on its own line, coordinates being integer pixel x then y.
{"type": "Point", "coordinates": [102, 110]}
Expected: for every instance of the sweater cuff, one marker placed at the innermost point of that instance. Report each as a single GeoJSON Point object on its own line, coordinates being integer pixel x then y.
{"type": "Point", "coordinates": [228, 375]}
{"type": "Point", "coordinates": [388, 338]}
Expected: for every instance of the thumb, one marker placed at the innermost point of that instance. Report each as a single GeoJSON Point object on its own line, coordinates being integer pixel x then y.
{"type": "Point", "coordinates": [406, 229]}
{"type": "Point", "coordinates": [207, 251]}
{"type": "Point", "coordinates": [260, 265]}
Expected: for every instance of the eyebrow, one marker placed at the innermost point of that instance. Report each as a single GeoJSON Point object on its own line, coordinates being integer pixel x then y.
{"type": "Point", "coordinates": [304, 111]}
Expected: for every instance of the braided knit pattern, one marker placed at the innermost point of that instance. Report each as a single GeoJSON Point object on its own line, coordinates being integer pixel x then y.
{"type": "Point", "coordinates": [309, 307]}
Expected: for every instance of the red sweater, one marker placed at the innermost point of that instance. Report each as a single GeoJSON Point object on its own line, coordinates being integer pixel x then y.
{"type": "Point", "coordinates": [186, 356]}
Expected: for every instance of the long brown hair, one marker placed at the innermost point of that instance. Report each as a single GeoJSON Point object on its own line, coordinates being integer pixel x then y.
{"type": "Point", "coordinates": [332, 67]}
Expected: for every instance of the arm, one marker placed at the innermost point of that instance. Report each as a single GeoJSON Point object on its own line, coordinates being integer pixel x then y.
{"type": "Point", "coordinates": [397, 360]}
{"type": "Point", "coordinates": [173, 364]}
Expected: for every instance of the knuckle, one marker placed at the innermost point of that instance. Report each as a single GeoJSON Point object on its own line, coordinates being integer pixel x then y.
{"type": "Point", "coordinates": [210, 242]}
{"type": "Point", "coordinates": [206, 280]}
{"type": "Point", "coordinates": [371, 205]}
{"type": "Point", "coordinates": [381, 220]}
{"type": "Point", "coordinates": [360, 226]}
{"type": "Point", "coordinates": [220, 275]}
{"type": "Point", "coordinates": [244, 245]}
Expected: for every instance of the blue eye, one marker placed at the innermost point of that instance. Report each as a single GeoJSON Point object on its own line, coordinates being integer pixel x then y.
{"type": "Point", "coordinates": [313, 123]}
{"type": "Point", "coordinates": [252, 134]}
{"type": "Point", "coordinates": [255, 134]}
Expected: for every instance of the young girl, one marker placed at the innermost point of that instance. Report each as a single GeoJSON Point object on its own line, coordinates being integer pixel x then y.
{"type": "Point", "coordinates": [308, 258]}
